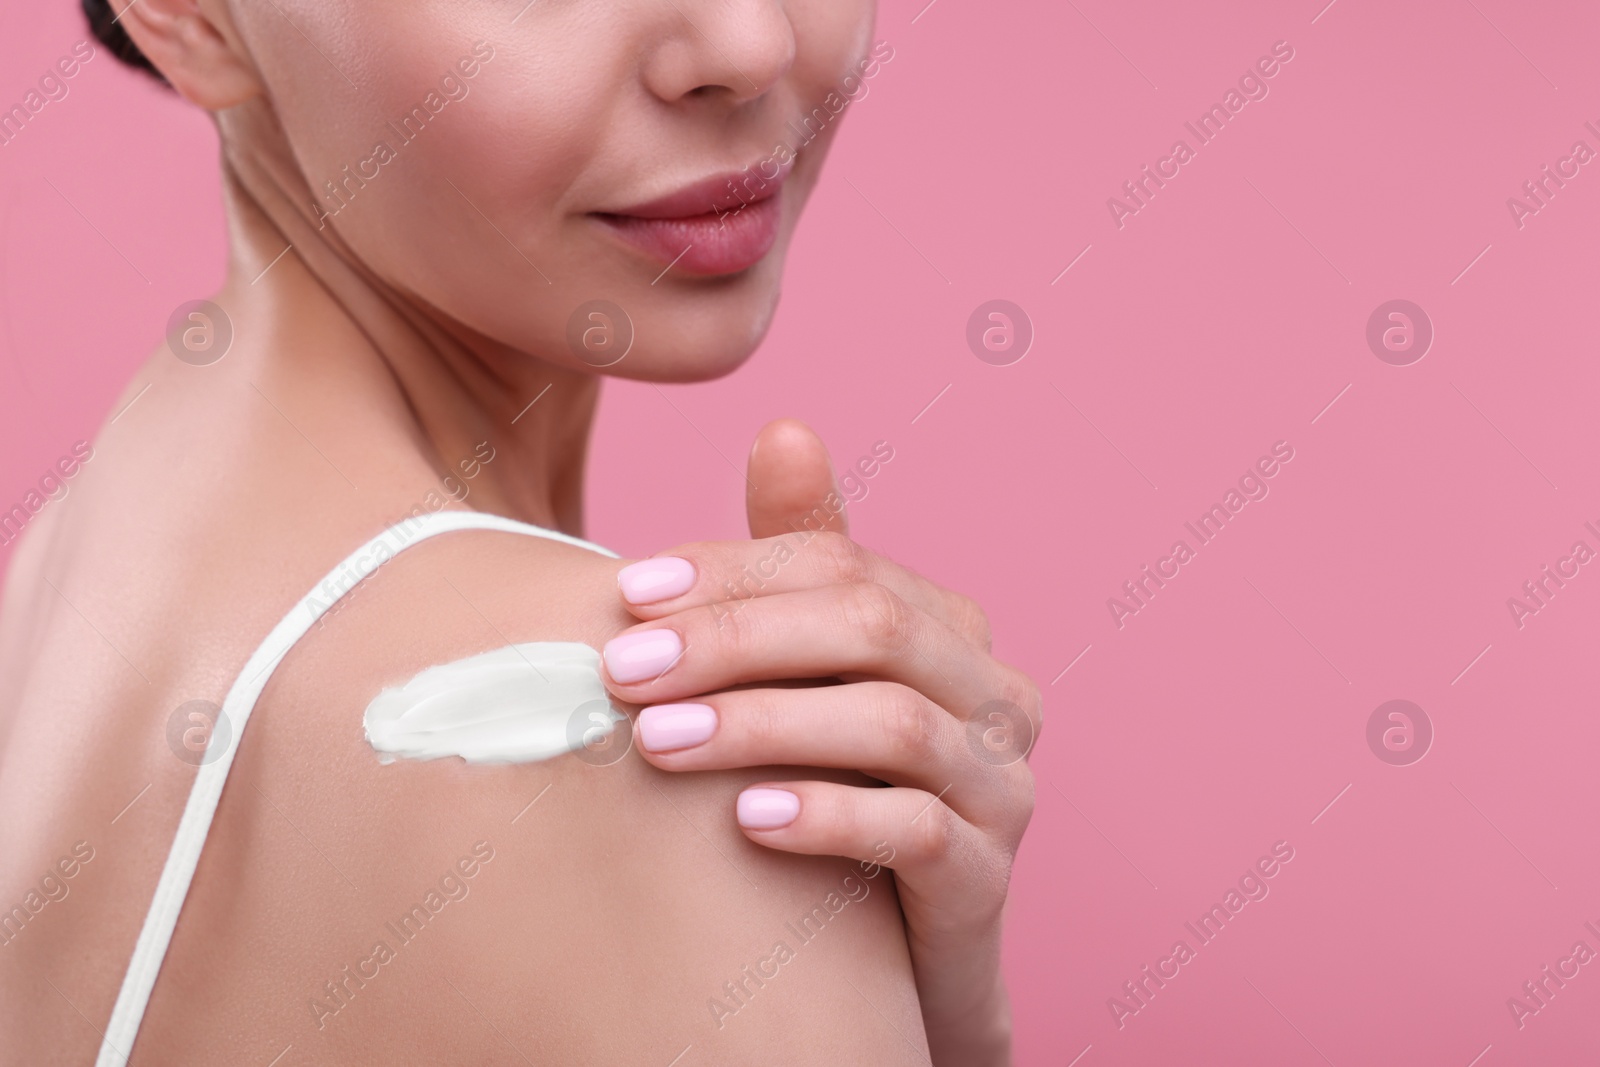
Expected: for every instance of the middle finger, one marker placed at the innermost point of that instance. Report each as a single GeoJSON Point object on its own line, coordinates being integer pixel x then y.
{"type": "Point", "coordinates": [850, 631]}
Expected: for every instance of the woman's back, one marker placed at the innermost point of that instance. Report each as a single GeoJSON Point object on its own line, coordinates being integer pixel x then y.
{"type": "Point", "coordinates": [572, 910]}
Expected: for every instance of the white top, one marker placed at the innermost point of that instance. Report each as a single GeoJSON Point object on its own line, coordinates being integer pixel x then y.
{"type": "Point", "coordinates": [173, 888]}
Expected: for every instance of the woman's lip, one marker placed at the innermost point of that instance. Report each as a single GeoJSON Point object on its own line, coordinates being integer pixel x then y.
{"type": "Point", "coordinates": [715, 242]}
{"type": "Point", "coordinates": [718, 193]}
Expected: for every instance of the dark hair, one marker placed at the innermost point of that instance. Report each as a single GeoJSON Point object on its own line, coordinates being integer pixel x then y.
{"type": "Point", "coordinates": [109, 32]}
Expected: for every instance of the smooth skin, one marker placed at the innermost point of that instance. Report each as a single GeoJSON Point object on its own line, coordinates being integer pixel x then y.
{"type": "Point", "coordinates": [370, 361]}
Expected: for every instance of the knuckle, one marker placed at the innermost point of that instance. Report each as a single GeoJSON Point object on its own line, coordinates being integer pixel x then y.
{"type": "Point", "coordinates": [1022, 806]}
{"type": "Point", "coordinates": [1022, 691]}
{"type": "Point", "coordinates": [732, 629]}
{"type": "Point", "coordinates": [878, 615]}
{"type": "Point", "coordinates": [842, 560]}
{"type": "Point", "coordinates": [1009, 808]}
{"type": "Point", "coordinates": [932, 831]}
{"type": "Point", "coordinates": [973, 620]}
{"type": "Point", "coordinates": [760, 725]}
{"type": "Point", "coordinates": [907, 726]}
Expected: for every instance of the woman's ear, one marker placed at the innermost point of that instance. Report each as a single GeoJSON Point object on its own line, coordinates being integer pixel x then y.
{"type": "Point", "coordinates": [195, 46]}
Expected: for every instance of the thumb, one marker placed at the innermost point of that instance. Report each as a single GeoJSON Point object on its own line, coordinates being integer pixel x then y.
{"type": "Point", "coordinates": [790, 484]}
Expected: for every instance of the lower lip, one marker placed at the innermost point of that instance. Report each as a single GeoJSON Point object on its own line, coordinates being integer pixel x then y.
{"type": "Point", "coordinates": [708, 244]}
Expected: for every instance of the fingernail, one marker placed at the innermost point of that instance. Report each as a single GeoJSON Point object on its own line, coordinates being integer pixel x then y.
{"type": "Point", "coordinates": [767, 809]}
{"type": "Point", "coordinates": [665, 727]}
{"type": "Point", "coordinates": [642, 654]}
{"type": "Point", "coordinates": [651, 580]}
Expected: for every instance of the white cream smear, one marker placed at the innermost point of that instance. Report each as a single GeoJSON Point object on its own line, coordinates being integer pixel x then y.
{"type": "Point", "coordinates": [517, 704]}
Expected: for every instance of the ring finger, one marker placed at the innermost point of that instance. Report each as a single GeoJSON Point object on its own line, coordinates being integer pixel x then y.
{"type": "Point", "coordinates": [886, 730]}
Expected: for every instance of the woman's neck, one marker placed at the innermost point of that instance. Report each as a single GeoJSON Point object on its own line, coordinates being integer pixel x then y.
{"type": "Point", "coordinates": [443, 386]}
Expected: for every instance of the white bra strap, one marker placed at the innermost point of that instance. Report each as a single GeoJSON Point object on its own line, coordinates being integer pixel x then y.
{"type": "Point", "coordinates": [173, 888]}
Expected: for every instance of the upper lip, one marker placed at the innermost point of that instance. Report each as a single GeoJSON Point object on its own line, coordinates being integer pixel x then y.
{"type": "Point", "coordinates": [718, 193]}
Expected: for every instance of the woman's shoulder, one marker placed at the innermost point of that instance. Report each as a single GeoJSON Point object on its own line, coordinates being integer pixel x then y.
{"type": "Point", "coordinates": [416, 577]}
{"type": "Point", "coordinates": [506, 898]}
{"type": "Point", "coordinates": [427, 595]}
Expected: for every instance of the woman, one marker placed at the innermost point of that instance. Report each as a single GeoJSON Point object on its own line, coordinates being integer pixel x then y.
{"type": "Point", "coordinates": [446, 222]}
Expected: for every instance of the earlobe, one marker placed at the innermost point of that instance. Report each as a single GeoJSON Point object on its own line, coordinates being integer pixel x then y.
{"type": "Point", "coordinates": [195, 46]}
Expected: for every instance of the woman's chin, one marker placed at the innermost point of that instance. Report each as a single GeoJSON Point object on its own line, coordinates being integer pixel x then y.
{"type": "Point", "coordinates": [679, 365]}
{"type": "Point", "coordinates": [699, 339]}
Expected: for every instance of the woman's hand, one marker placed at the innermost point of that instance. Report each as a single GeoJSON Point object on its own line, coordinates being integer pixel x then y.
{"type": "Point", "coordinates": [921, 705]}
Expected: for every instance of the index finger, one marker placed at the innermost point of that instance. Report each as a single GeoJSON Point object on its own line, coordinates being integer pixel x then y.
{"type": "Point", "coordinates": [731, 572]}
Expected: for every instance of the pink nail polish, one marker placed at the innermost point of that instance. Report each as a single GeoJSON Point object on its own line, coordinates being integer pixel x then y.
{"type": "Point", "coordinates": [651, 580]}
{"type": "Point", "coordinates": [641, 654]}
{"type": "Point", "coordinates": [767, 809]}
{"type": "Point", "coordinates": [666, 727]}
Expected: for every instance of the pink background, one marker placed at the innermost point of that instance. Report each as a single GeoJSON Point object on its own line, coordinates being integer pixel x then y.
{"type": "Point", "coordinates": [1222, 318]}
